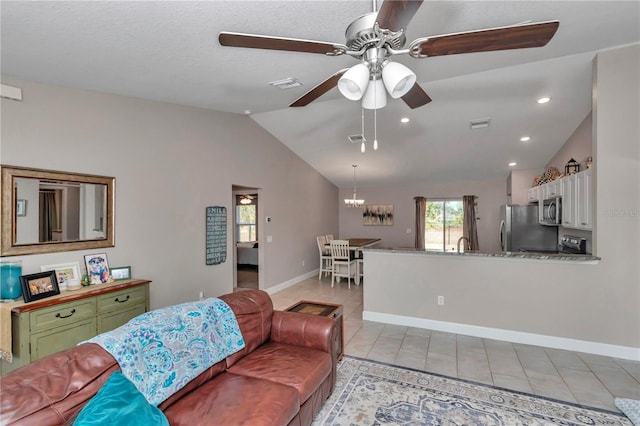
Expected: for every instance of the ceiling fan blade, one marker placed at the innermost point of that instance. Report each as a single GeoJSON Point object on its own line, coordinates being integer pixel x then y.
{"type": "Point", "coordinates": [279, 43]}
{"type": "Point", "coordinates": [416, 97]}
{"type": "Point", "coordinates": [319, 90]}
{"type": "Point", "coordinates": [513, 37]}
{"type": "Point", "coordinates": [395, 15]}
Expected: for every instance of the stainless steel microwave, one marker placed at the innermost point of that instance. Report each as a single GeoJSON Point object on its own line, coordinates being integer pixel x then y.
{"type": "Point", "coordinates": [550, 211]}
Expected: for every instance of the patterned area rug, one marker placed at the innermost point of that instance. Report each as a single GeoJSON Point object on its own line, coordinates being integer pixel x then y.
{"type": "Point", "coordinates": [373, 393]}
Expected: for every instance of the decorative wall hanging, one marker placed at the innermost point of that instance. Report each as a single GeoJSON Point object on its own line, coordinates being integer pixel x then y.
{"type": "Point", "coordinates": [377, 214]}
{"type": "Point", "coordinates": [216, 235]}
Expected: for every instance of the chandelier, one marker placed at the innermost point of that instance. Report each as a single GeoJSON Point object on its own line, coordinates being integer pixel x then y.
{"type": "Point", "coordinates": [353, 202]}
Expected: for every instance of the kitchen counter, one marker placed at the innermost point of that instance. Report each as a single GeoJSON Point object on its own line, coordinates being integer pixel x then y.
{"type": "Point", "coordinates": [507, 255]}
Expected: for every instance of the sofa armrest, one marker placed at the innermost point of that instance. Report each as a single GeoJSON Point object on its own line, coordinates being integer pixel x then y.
{"type": "Point", "coordinates": [304, 330]}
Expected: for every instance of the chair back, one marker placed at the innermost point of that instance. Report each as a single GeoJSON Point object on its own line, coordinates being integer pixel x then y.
{"type": "Point", "coordinates": [329, 238]}
{"type": "Point", "coordinates": [321, 240]}
{"type": "Point", "coordinates": [340, 249]}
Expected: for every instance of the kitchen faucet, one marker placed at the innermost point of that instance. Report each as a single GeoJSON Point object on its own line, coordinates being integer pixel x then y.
{"type": "Point", "coordinates": [468, 243]}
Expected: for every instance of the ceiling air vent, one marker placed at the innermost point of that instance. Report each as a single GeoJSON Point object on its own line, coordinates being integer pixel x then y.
{"type": "Point", "coordinates": [359, 138]}
{"type": "Point", "coordinates": [480, 123]}
{"type": "Point", "coordinates": [286, 83]}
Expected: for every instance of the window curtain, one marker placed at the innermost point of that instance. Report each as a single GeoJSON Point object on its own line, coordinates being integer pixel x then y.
{"type": "Point", "coordinates": [421, 211]}
{"type": "Point", "coordinates": [48, 217]}
{"type": "Point", "coordinates": [469, 226]}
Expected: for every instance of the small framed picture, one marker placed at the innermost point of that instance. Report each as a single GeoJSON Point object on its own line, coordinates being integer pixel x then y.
{"type": "Point", "coordinates": [97, 268]}
{"type": "Point", "coordinates": [67, 274]}
{"type": "Point", "coordinates": [39, 286]}
{"type": "Point", "coordinates": [121, 273]}
{"type": "Point", "coordinates": [21, 208]}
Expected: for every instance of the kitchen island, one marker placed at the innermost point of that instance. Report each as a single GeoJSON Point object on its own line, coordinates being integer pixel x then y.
{"type": "Point", "coordinates": [529, 298]}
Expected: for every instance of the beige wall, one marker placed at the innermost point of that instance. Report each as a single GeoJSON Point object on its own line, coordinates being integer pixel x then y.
{"type": "Point", "coordinates": [578, 147]}
{"type": "Point", "coordinates": [576, 306]}
{"type": "Point", "coordinates": [171, 162]}
{"type": "Point", "coordinates": [491, 194]}
{"type": "Point", "coordinates": [518, 184]}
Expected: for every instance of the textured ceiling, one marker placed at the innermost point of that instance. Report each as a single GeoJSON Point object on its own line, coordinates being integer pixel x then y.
{"type": "Point", "coordinates": [168, 51]}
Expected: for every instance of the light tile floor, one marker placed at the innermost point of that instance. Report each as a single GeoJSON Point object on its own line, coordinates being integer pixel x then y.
{"type": "Point", "coordinates": [580, 378]}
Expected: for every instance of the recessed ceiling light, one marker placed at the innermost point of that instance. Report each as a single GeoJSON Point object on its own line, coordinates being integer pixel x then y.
{"type": "Point", "coordinates": [544, 100]}
{"type": "Point", "coordinates": [405, 120]}
{"type": "Point", "coordinates": [525, 139]}
{"type": "Point", "coordinates": [247, 112]}
{"type": "Point", "coordinates": [513, 163]}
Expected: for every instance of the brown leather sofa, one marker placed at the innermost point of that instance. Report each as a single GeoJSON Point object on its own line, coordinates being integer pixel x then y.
{"type": "Point", "coordinates": [282, 377]}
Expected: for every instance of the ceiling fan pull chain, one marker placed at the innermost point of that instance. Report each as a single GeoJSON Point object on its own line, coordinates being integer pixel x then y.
{"type": "Point", "coordinates": [375, 120]}
{"type": "Point", "coordinates": [362, 146]}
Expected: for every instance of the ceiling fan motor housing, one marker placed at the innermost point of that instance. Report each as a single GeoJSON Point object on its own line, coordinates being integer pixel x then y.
{"type": "Point", "coordinates": [360, 33]}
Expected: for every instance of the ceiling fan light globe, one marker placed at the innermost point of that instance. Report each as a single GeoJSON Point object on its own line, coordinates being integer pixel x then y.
{"type": "Point", "coordinates": [375, 97]}
{"type": "Point", "coordinates": [354, 82]}
{"type": "Point", "coordinates": [398, 79]}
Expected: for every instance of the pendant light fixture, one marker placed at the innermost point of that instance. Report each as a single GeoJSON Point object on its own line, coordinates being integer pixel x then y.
{"type": "Point", "coordinates": [353, 202]}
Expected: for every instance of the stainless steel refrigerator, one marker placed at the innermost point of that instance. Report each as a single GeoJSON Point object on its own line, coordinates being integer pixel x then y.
{"type": "Point", "coordinates": [520, 230]}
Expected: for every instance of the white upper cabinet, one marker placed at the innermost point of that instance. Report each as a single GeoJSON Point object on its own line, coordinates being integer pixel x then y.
{"type": "Point", "coordinates": [568, 201]}
{"type": "Point", "coordinates": [533, 194]}
{"type": "Point", "coordinates": [584, 200]}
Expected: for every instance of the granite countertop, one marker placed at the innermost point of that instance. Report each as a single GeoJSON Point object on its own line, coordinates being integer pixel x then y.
{"type": "Point", "coordinates": [508, 254]}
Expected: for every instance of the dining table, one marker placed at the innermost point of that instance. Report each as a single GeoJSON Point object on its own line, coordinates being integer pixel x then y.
{"type": "Point", "coordinates": [357, 244]}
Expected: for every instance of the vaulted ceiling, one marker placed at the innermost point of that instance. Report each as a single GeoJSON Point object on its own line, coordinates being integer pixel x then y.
{"type": "Point", "coordinates": [169, 51]}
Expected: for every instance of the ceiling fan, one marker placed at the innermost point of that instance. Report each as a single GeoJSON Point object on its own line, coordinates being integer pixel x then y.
{"type": "Point", "coordinates": [375, 37]}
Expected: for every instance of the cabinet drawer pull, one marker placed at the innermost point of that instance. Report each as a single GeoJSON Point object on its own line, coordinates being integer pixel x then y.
{"type": "Point", "coordinates": [117, 299]}
{"type": "Point", "coordinates": [73, 311]}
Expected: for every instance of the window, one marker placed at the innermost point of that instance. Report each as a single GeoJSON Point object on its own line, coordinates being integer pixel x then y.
{"type": "Point", "coordinates": [443, 224]}
{"type": "Point", "coordinates": [246, 223]}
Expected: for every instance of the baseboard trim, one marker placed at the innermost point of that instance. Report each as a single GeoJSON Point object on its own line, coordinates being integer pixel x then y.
{"type": "Point", "coordinates": [293, 281]}
{"type": "Point", "coordinates": [624, 352]}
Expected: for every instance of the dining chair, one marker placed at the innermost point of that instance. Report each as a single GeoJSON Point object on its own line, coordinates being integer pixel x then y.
{"type": "Point", "coordinates": [329, 238]}
{"type": "Point", "coordinates": [325, 257]}
{"type": "Point", "coordinates": [343, 264]}
{"type": "Point", "coordinates": [359, 269]}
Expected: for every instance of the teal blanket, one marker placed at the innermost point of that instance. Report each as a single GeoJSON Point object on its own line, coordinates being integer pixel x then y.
{"type": "Point", "coordinates": [163, 350]}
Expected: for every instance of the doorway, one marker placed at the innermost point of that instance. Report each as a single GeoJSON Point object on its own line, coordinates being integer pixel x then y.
{"type": "Point", "coordinates": [245, 238]}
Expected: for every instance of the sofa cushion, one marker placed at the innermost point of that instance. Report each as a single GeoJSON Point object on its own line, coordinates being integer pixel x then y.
{"type": "Point", "coordinates": [253, 310]}
{"type": "Point", "coordinates": [230, 399]}
{"type": "Point", "coordinates": [53, 389]}
{"type": "Point", "coordinates": [119, 402]}
{"type": "Point", "coordinates": [302, 368]}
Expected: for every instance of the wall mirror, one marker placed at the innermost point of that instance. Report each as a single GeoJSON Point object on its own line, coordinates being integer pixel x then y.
{"type": "Point", "coordinates": [45, 211]}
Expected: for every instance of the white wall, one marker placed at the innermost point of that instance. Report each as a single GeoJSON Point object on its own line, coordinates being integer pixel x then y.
{"type": "Point", "coordinates": [171, 162]}
{"type": "Point", "coordinates": [491, 194]}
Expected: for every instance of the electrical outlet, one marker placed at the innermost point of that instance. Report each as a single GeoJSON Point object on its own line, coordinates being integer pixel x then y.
{"type": "Point", "coordinates": [440, 300]}
{"type": "Point", "coordinates": [201, 295]}
{"type": "Point", "coordinates": [303, 263]}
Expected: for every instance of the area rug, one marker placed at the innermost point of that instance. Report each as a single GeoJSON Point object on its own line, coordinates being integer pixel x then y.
{"type": "Point", "coordinates": [374, 393]}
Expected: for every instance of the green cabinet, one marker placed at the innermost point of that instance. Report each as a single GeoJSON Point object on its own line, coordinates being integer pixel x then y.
{"type": "Point", "coordinates": [50, 325]}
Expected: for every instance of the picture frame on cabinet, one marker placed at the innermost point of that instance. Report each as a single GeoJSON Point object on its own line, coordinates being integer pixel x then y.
{"type": "Point", "coordinates": [97, 268]}
{"type": "Point", "coordinates": [67, 274]}
{"type": "Point", "coordinates": [121, 273]}
{"type": "Point", "coordinates": [39, 286]}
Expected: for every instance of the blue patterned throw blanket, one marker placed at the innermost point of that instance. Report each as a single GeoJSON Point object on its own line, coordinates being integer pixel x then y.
{"type": "Point", "coordinates": [163, 350]}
